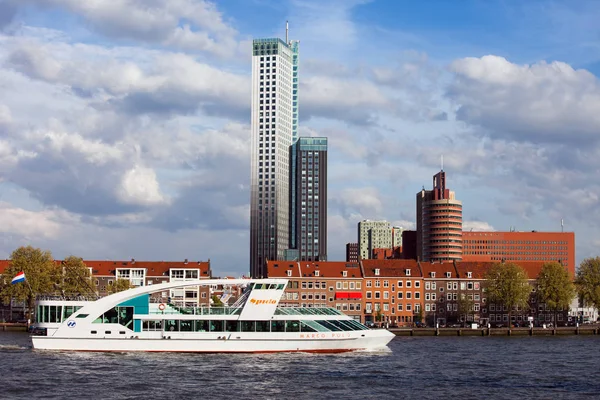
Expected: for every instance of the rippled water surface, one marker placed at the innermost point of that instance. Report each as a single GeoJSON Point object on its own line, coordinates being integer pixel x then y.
{"type": "Point", "coordinates": [414, 367]}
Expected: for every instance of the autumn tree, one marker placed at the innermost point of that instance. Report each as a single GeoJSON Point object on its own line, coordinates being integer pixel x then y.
{"type": "Point", "coordinates": [40, 275]}
{"type": "Point", "coordinates": [76, 279]}
{"type": "Point", "coordinates": [507, 284]}
{"type": "Point", "coordinates": [119, 285]}
{"type": "Point", "coordinates": [555, 287]}
{"type": "Point", "coordinates": [588, 281]}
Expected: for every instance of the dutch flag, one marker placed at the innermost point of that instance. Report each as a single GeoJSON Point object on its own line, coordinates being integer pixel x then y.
{"type": "Point", "coordinates": [19, 278]}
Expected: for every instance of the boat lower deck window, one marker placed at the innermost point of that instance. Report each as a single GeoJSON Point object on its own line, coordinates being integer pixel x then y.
{"type": "Point", "coordinates": [94, 332]}
{"type": "Point", "coordinates": [107, 332]}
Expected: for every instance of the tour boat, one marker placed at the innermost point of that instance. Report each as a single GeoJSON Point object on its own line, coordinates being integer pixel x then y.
{"type": "Point", "coordinates": [130, 321]}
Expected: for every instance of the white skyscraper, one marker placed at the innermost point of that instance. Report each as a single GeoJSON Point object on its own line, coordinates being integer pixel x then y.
{"type": "Point", "coordinates": [274, 123]}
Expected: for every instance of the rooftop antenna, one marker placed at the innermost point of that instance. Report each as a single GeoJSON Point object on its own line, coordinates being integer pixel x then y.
{"type": "Point", "coordinates": [287, 28]}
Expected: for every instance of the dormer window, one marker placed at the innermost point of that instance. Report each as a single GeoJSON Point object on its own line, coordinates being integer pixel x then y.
{"type": "Point", "coordinates": [448, 274]}
{"type": "Point", "coordinates": [316, 273]}
{"type": "Point", "coordinates": [407, 272]}
{"type": "Point", "coordinates": [289, 272]}
{"type": "Point", "coordinates": [469, 274]}
{"type": "Point", "coordinates": [344, 273]}
{"type": "Point", "coordinates": [432, 274]}
{"type": "Point", "coordinates": [376, 271]}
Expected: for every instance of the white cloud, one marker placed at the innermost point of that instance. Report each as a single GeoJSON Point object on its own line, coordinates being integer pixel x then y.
{"type": "Point", "coordinates": [477, 226]}
{"type": "Point", "coordinates": [31, 224]}
{"type": "Point", "coordinates": [140, 187]}
{"type": "Point", "coordinates": [157, 21]}
{"type": "Point", "coordinates": [542, 102]}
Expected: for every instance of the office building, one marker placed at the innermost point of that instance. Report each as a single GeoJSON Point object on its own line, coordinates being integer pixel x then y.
{"type": "Point", "coordinates": [439, 223]}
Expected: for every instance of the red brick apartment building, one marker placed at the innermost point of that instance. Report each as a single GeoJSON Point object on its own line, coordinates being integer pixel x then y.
{"type": "Point", "coordinates": [393, 291]}
{"type": "Point", "coordinates": [321, 284]}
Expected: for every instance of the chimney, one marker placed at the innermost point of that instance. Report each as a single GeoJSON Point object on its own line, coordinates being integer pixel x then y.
{"type": "Point", "coordinates": [185, 261]}
{"type": "Point", "coordinates": [133, 260]}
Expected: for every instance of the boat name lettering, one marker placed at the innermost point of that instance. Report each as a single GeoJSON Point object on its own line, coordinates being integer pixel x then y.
{"type": "Point", "coordinates": [324, 335]}
{"type": "Point", "coordinates": [267, 301]}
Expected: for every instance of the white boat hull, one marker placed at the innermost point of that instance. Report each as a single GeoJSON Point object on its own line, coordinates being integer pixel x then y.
{"type": "Point", "coordinates": [234, 343]}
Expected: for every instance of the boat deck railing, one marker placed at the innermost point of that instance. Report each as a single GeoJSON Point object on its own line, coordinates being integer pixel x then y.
{"type": "Point", "coordinates": [307, 311]}
{"type": "Point", "coordinates": [172, 309]}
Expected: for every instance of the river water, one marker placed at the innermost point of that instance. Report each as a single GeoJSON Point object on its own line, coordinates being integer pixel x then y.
{"type": "Point", "coordinates": [413, 367]}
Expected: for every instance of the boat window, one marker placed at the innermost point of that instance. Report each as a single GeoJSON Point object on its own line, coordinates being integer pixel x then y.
{"type": "Point", "coordinates": [262, 326]}
{"type": "Point", "coordinates": [217, 326]}
{"type": "Point", "coordinates": [292, 326]}
{"type": "Point", "coordinates": [69, 310]}
{"type": "Point", "coordinates": [152, 325]}
{"type": "Point", "coordinates": [277, 326]}
{"type": "Point", "coordinates": [232, 326]}
{"type": "Point", "coordinates": [201, 326]}
{"type": "Point", "coordinates": [171, 325]}
{"type": "Point", "coordinates": [313, 326]}
{"type": "Point", "coordinates": [248, 326]}
{"type": "Point", "coordinates": [107, 332]}
{"type": "Point", "coordinates": [272, 286]}
{"type": "Point", "coordinates": [82, 316]}
{"type": "Point", "coordinates": [121, 332]}
{"type": "Point", "coordinates": [186, 326]}
{"type": "Point", "coordinates": [94, 332]}
{"type": "Point", "coordinates": [329, 325]}
{"type": "Point", "coordinates": [258, 286]}
{"type": "Point", "coordinates": [281, 286]}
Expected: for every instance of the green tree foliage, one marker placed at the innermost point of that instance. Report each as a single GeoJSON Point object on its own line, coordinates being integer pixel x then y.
{"type": "Point", "coordinates": [507, 285]}
{"type": "Point", "coordinates": [119, 285]}
{"type": "Point", "coordinates": [76, 278]}
{"type": "Point", "coordinates": [555, 287]}
{"type": "Point", "coordinates": [588, 281]}
{"type": "Point", "coordinates": [216, 302]}
{"type": "Point", "coordinates": [40, 275]}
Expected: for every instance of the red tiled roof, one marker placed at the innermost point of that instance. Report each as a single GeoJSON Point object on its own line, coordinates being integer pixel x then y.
{"type": "Point", "coordinates": [327, 269]}
{"type": "Point", "coordinates": [389, 268]}
{"type": "Point", "coordinates": [153, 268]}
{"type": "Point", "coordinates": [440, 269]}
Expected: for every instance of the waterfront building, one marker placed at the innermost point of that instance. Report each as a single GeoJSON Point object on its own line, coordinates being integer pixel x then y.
{"type": "Point", "coordinates": [521, 246]}
{"type": "Point", "coordinates": [439, 223]}
{"type": "Point", "coordinates": [321, 284]}
{"type": "Point", "coordinates": [274, 125]}
{"type": "Point", "coordinates": [352, 252]}
{"type": "Point", "coordinates": [373, 235]}
{"type": "Point", "coordinates": [308, 223]}
{"type": "Point", "coordinates": [393, 292]}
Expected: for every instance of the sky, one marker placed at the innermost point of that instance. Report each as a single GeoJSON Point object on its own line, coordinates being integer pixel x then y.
{"type": "Point", "coordinates": [124, 124]}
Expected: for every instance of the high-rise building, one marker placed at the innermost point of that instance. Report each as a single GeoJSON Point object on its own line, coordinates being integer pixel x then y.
{"type": "Point", "coordinates": [373, 235]}
{"type": "Point", "coordinates": [439, 223]}
{"type": "Point", "coordinates": [308, 224]}
{"type": "Point", "coordinates": [274, 123]}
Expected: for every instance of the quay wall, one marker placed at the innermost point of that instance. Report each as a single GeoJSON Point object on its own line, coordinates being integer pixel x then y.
{"type": "Point", "coordinates": [561, 331]}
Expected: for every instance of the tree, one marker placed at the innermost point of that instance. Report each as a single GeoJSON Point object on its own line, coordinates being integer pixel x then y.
{"type": "Point", "coordinates": [119, 285]}
{"type": "Point", "coordinates": [588, 281]}
{"type": "Point", "coordinates": [76, 278]}
{"type": "Point", "coordinates": [216, 301]}
{"type": "Point", "coordinates": [40, 275]}
{"type": "Point", "coordinates": [554, 287]}
{"type": "Point", "coordinates": [507, 284]}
